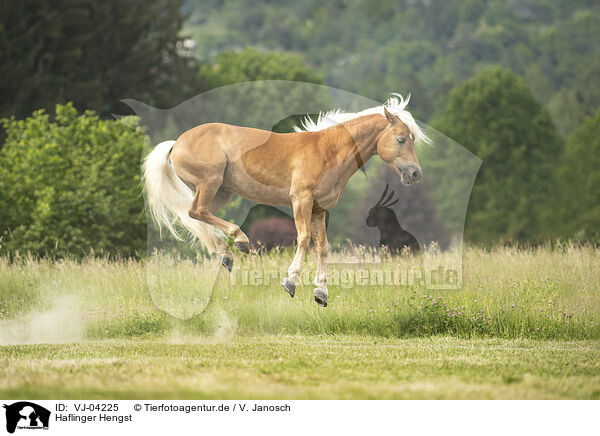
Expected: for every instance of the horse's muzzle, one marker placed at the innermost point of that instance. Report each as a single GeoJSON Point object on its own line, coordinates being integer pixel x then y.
{"type": "Point", "coordinates": [409, 173]}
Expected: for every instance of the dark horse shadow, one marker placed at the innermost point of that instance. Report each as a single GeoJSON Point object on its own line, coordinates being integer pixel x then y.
{"type": "Point", "coordinates": [392, 235]}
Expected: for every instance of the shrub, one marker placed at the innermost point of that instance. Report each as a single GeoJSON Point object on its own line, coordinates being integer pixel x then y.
{"type": "Point", "coordinates": [71, 185]}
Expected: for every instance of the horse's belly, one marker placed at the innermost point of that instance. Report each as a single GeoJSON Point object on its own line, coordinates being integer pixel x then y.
{"type": "Point", "coordinates": [249, 188]}
{"type": "Point", "coordinates": [327, 200]}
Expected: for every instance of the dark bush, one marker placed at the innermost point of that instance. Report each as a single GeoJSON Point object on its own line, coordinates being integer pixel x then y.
{"type": "Point", "coordinates": [272, 232]}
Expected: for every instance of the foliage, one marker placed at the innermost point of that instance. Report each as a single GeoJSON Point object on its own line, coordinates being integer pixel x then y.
{"type": "Point", "coordinates": [579, 211]}
{"type": "Point", "coordinates": [92, 54]}
{"type": "Point", "coordinates": [416, 46]}
{"type": "Point", "coordinates": [496, 117]}
{"type": "Point", "coordinates": [71, 185]}
{"type": "Point", "coordinates": [249, 65]}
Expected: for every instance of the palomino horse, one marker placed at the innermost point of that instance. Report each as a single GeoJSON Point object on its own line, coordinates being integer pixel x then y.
{"type": "Point", "coordinates": [192, 178]}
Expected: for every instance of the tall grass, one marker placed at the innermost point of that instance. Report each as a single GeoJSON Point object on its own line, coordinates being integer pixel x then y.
{"type": "Point", "coordinates": [507, 292]}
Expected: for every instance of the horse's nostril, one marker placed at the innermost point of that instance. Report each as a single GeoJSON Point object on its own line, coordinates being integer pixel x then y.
{"type": "Point", "coordinates": [416, 175]}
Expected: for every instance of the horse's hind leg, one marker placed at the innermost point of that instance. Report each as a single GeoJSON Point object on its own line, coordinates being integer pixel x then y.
{"type": "Point", "coordinates": [223, 250]}
{"type": "Point", "coordinates": [202, 210]}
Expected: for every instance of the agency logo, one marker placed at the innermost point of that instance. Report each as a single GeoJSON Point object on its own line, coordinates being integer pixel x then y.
{"type": "Point", "coordinates": [26, 415]}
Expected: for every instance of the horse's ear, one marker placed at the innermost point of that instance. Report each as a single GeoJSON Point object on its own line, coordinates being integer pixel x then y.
{"type": "Point", "coordinates": [391, 117]}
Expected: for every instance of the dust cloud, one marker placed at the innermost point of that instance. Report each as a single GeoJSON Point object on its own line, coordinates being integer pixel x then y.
{"type": "Point", "coordinates": [61, 323]}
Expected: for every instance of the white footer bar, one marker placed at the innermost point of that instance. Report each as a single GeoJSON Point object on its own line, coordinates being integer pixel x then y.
{"type": "Point", "coordinates": [293, 417]}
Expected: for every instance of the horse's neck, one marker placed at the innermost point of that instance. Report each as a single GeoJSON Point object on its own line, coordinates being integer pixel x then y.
{"type": "Point", "coordinates": [356, 141]}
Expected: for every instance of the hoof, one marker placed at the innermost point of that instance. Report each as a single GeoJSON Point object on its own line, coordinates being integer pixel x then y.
{"type": "Point", "coordinates": [244, 247]}
{"type": "Point", "coordinates": [289, 286]}
{"type": "Point", "coordinates": [320, 297]}
{"type": "Point", "coordinates": [227, 262]}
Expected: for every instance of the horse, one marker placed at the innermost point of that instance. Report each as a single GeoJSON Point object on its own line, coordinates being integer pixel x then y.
{"type": "Point", "coordinates": [188, 180]}
{"type": "Point", "coordinates": [392, 235]}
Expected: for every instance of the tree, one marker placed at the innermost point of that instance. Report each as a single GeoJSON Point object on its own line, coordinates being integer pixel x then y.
{"type": "Point", "coordinates": [578, 173]}
{"type": "Point", "coordinates": [571, 106]}
{"type": "Point", "coordinates": [249, 65]}
{"type": "Point", "coordinates": [495, 116]}
{"type": "Point", "coordinates": [92, 54]}
{"type": "Point", "coordinates": [71, 185]}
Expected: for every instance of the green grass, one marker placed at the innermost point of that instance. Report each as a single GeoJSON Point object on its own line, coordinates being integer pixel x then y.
{"type": "Point", "coordinates": [524, 325]}
{"type": "Point", "coordinates": [507, 293]}
{"type": "Point", "coordinates": [304, 367]}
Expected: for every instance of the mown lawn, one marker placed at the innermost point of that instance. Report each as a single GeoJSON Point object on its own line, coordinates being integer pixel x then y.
{"type": "Point", "coordinates": [316, 367]}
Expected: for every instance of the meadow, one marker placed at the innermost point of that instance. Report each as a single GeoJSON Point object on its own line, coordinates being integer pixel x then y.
{"type": "Point", "coordinates": [525, 324]}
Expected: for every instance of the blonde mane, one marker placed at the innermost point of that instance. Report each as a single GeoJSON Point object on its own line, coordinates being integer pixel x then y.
{"type": "Point", "coordinates": [396, 105]}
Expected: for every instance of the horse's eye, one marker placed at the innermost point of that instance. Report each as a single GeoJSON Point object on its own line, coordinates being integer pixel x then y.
{"type": "Point", "coordinates": [401, 141]}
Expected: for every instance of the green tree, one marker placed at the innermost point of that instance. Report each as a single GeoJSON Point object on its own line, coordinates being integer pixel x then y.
{"type": "Point", "coordinates": [495, 116]}
{"type": "Point", "coordinates": [249, 65]}
{"type": "Point", "coordinates": [571, 106]}
{"type": "Point", "coordinates": [71, 185]}
{"type": "Point", "coordinates": [371, 48]}
{"type": "Point", "coordinates": [579, 215]}
{"type": "Point", "coordinates": [92, 54]}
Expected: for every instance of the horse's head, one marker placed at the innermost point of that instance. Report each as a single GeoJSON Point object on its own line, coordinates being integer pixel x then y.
{"type": "Point", "coordinates": [396, 146]}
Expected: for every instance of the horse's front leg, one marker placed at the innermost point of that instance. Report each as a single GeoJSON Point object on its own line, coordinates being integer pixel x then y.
{"type": "Point", "coordinates": [319, 236]}
{"type": "Point", "coordinates": [302, 203]}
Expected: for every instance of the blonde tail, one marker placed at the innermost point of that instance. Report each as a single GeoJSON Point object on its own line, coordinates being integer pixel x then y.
{"type": "Point", "coordinates": [170, 199]}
